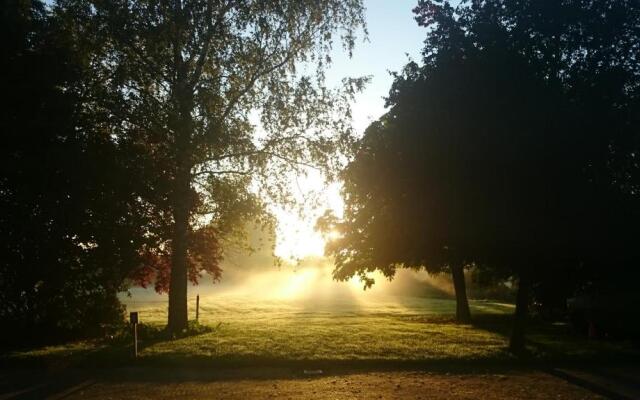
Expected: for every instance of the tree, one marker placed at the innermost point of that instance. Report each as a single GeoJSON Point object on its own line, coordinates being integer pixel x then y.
{"type": "Point", "coordinates": [427, 186]}
{"type": "Point", "coordinates": [582, 49]}
{"type": "Point", "coordinates": [70, 230]}
{"type": "Point", "coordinates": [188, 81]}
{"type": "Point", "coordinates": [496, 152]}
{"type": "Point", "coordinates": [585, 51]}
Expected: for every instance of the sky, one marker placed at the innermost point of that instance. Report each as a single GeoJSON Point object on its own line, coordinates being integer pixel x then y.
{"type": "Point", "coordinates": [394, 37]}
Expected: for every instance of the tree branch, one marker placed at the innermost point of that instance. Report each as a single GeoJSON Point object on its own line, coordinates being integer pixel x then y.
{"type": "Point", "coordinates": [259, 73]}
{"type": "Point", "coordinates": [222, 172]}
{"type": "Point", "coordinates": [208, 37]}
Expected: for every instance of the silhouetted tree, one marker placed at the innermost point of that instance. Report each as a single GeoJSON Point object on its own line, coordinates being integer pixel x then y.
{"type": "Point", "coordinates": [70, 227]}
{"type": "Point", "coordinates": [513, 145]}
{"type": "Point", "coordinates": [587, 50]}
{"type": "Point", "coordinates": [441, 180]}
{"type": "Point", "coordinates": [582, 51]}
{"type": "Point", "coordinates": [188, 80]}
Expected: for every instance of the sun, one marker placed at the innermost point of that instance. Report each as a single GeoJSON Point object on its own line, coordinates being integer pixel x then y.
{"type": "Point", "coordinates": [296, 237]}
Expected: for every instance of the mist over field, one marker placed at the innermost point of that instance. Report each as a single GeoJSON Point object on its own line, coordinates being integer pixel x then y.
{"type": "Point", "coordinates": [256, 280]}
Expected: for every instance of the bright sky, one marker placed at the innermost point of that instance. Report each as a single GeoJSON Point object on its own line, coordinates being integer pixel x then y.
{"type": "Point", "coordinates": [393, 33]}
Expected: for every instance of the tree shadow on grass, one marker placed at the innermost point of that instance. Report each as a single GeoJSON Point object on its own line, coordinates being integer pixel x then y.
{"type": "Point", "coordinates": [116, 349]}
{"type": "Point", "coordinates": [549, 342]}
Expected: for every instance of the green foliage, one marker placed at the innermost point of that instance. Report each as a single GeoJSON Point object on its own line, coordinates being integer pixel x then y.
{"type": "Point", "coordinates": [70, 227]}
{"type": "Point", "coordinates": [584, 47]}
{"type": "Point", "coordinates": [487, 152]}
{"type": "Point", "coordinates": [234, 58]}
{"type": "Point", "coordinates": [514, 145]}
{"type": "Point", "coordinates": [186, 83]}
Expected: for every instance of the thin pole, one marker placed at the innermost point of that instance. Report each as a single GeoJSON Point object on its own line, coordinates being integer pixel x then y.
{"type": "Point", "coordinates": [135, 340]}
{"type": "Point", "coordinates": [197, 307]}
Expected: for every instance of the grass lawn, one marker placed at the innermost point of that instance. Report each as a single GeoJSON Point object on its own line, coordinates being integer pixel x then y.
{"type": "Point", "coordinates": [416, 329]}
{"type": "Point", "coordinates": [248, 332]}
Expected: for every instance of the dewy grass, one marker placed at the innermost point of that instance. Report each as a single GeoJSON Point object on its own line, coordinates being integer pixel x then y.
{"type": "Point", "coordinates": [406, 329]}
{"type": "Point", "coordinates": [233, 330]}
{"type": "Point", "coordinates": [414, 329]}
{"type": "Point", "coordinates": [360, 337]}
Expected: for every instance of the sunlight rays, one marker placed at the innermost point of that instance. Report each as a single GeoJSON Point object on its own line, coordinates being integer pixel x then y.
{"type": "Point", "coordinates": [296, 236]}
{"type": "Point", "coordinates": [298, 283]}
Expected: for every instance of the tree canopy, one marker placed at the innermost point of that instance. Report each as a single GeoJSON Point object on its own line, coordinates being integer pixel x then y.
{"type": "Point", "coordinates": [511, 145]}
{"type": "Point", "coordinates": [217, 98]}
{"type": "Point", "coordinates": [71, 229]}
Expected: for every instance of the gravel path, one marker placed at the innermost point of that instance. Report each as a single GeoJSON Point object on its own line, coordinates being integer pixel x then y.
{"type": "Point", "coordinates": [372, 385]}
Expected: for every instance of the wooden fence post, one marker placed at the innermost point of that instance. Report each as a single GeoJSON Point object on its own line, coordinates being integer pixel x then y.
{"type": "Point", "coordinates": [197, 307]}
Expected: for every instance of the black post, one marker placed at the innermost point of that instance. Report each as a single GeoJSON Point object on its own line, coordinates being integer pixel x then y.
{"type": "Point", "coordinates": [135, 340]}
{"type": "Point", "coordinates": [133, 318]}
{"type": "Point", "coordinates": [197, 307]}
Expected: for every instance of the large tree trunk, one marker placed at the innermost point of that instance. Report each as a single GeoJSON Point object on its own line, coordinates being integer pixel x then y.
{"type": "Point", "coordinates": [462, 303]}
{"type": "Point", "coordinates": [181, 201]}
{"type": "Point", "coordinates": [178, 313]}
{"type": "Point", "coordinates": [517, 340]}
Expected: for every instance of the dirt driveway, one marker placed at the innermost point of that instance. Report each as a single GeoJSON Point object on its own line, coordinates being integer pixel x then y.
{"type": "Point", "coordinates": [372, 385]}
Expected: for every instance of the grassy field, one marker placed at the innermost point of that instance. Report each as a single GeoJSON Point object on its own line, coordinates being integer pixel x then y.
{"type": "Point", "coordinates": [243, 331]}
{"type": "Point", "coordinates": [246, 330]}
{"type": "Point", "coordinates": [415, 329]}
